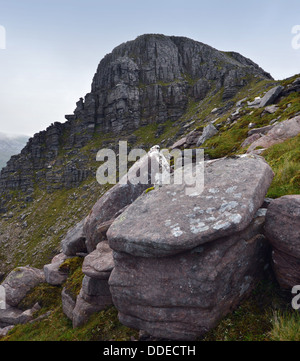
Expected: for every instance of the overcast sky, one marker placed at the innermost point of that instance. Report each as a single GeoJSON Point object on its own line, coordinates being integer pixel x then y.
{"type": "Point", "coordinates": [53, 47]}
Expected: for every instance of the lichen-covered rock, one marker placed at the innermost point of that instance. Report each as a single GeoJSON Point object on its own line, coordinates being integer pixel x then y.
{"type": "Point", "coordinates": [283, 231]}
{"type": "Point", "coordinates": [166, 221]}
{"type": "Point", "coordinates": [181, 297]}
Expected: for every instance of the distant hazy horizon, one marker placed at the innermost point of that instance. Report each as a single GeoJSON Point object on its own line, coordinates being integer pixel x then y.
{"type": "Point", "coordinates": [53, 48]}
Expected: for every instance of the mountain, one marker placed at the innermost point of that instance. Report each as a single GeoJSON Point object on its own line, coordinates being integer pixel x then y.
{"type": "Point", "coordinates": [10, 145]}
{"type": "Point", "coordinates": [157, 89]}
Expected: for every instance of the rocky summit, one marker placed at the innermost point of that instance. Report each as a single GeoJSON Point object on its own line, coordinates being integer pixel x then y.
{"type": "Point", "coordinates": [208, 259]}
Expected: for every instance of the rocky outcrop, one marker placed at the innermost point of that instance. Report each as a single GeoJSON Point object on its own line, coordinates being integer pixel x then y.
{"type": "Point", "coordinates": [282, 230]}
{"type": "Point", "coordinates": [203, 255]}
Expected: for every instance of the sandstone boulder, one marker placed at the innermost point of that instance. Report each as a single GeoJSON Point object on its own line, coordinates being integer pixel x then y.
{"type": "Point", "coordinates": [271, 96]}
{"type": "Point", "coordinates": [279, 133]}
{"type": "Point", "coordinates": [94, 297]}
{"type": "Point", "coordinates": [19, 282]}
{"type": "Point", "coordinates": [209, 131]}
{"type": "Point", "coordinates": [166, 221]}
{"type": "Point", "coordinates": [180, 297]}
{"type": "Point", "coordinates": [54, 275]}
{"type": "Point", "coordinates": [283, 231]}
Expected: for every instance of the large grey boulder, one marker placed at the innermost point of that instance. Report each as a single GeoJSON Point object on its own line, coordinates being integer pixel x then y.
{"type": "Point", "coordinates": [181, 297]}
{"type": "Point", "coordinates": [208, 132]}
{"type": "Point", "coordinates": [271, 96]}
{"type": "Point", "coordinates": [166, 221]}
{"type": "Point", "coordinates": [283, 231]}
{"type": "Point", "coordinates": [19, 282]}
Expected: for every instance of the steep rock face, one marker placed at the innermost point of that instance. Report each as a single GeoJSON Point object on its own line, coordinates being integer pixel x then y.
{"type": "Point", "coordinates": [150, 79]}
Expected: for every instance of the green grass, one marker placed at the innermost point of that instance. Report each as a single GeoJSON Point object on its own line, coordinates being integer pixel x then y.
{"type": "Point", "coordinates": [284, 158]}
{"type": "Point", "coordinates": [285, 326]}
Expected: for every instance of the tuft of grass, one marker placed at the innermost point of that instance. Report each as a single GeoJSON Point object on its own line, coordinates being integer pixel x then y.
{"type": "Point", "coordinates": [285, 327]}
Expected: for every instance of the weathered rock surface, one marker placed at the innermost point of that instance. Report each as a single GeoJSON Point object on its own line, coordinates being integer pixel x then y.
{"type": "Point", "coordinates": [19, 282]}
{"type": "Point", "coordinates": [74, 242]}
{"type": "Point", "coordinates": [251, 139]}
{"type": "Point", "coordinates": [94, 296]}
{"type": "Point", "coordinates": [282, 229]}
{"type": "Point", "coordinates": [120, 196]}
{"type": "Point", "coordinates": [14, 316]}
{"type": "Point", "coordinates": [209, 131]}
{"type": "Point", "coordinates": [166, 221]}
{"type": "Point", "coordinates": [271, 96]}
{"type": "Point", "coordinates": [100, 262]}
{"type": "Point", "coordinates": [182, 296]}
{"type": "Point", "coordinates": [279, 133]}
{"type": "Point", "coordinates": [68, 303]}
{"type": "Point", "coordinates": [54, 275]}
{"type": "Point", "coordinates": [4, 331]}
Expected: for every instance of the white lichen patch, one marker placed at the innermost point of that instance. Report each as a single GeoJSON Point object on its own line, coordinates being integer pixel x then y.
{"type": "Point", "coordinates": [231, 189]}
{"type": "Point", "coordinates": [197, 226]}
{"type": "Point", "coordinates": [225, 207]}
{"type": "Point", "coordinates": [213, 190]}
{"type": "Point", "coordinates": [221, 225]}
{"type": "Point", "coordinates": [177, 232]}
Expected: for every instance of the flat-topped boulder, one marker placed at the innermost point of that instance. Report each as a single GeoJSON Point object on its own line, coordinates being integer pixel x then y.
{"type": "Point", "coordinates": [167, 221]}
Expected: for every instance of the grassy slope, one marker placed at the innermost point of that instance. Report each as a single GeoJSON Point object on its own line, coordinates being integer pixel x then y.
{"type": "Point", "coordinates": [254, 319]}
